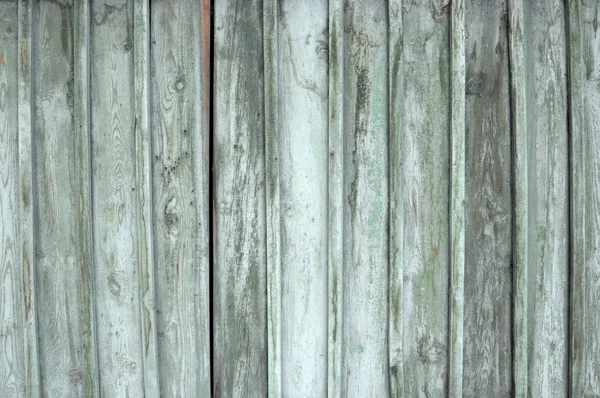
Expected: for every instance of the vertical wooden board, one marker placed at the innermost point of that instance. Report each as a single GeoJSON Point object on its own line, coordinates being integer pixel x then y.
{"type": "Point", "coordinates": [549, 287]}
{"type": "Point", "coordinates": [239, 280]}
{"type": "Point", "coordinates": [12, 363]}
{"type": "Point", "coordinates": [458, 153]}
{"type": "Point", "coordinates": [180, 143]}
{"type": "Point", "coordinates": [114, 199]}
{"type": "Point", "coordinates": [364, 367]}
{"type": "Point", "coordinates": [335, 198]}
{"type": "Point", "coordinates": [27, 199]}
{"type": "Point", "coordinates": [302, 128]}
{"type": "Point", "coordinates": [488, 276]}
{"type": "Point", "coordinates": [396, 204]}
{"type": "Point", "coordinates": [425, 194]}
{"type": "Point", "coordinates": [63, 335]}
{"type": "Point", "coordinates": [144, 194]}
{"type": "Point", "coordinates": [584, 46]}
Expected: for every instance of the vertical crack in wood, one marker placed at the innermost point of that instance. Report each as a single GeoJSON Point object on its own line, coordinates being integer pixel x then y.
{"type": "Point", "coordinates": [522, 252]}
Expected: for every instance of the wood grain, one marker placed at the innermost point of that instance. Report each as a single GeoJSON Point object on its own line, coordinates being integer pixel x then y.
{"type": "Point", "coordinates": [302, 121]}
{"type": "Point", "coordinates": [12, 358]}
{"type": "Point", "coordinates": [239, 280]}
{"type": "Point", "coordinates": [180, 189]}
{"type": "Point", "coordinates": [395, 105]}
{"type": "Point", "coordinates": [584, 98]}
{"type": "Point", "coordinates": [458, 164]}
{"type": "Point", "coordinates": [335, 198]}
{"type": "Point", "coordinates": [426, 165]}
{"type": "Point", "coordinates": [120, 350]}
{"type": "Point", "coordinates": [83, 172]}
{"type": "Point", "coordinates": [64, 304]}
{"type": "Point", "coordinates": [145, 219]}
{"type": "Point", "coordinates": [270, 19]}
{"type": "Point", "coordinates": [523, 251]}
{"type": "Point", "coordinates": [488, 276]}
{"type": "Point", "coordinates": [365, 121]}
{"type": "Point", "coordinates": [547, 112]}
{"type": "Point", "coordinates": [27, 198]}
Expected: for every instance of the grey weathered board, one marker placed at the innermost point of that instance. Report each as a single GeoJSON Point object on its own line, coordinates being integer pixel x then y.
{"type": "Point", "coordinates": [335, 198]}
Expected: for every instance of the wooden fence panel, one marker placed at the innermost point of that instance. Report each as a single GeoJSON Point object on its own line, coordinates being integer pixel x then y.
{"type": "Point", "coordinates": [283, 198]}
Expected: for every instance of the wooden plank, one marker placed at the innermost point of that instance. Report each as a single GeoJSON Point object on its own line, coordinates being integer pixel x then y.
{"type": "Point", "coordinates": [584, 45]}
{"type": "Point", "coordinates": [547, 112]}
{"type": "Point", "coordinates": [335, 198]}
{"type": "Point", "coordinates": [396, 199]}
{"type": "Point", "coordinates": [239, 281]}
{"type": "Point", "coordinates": [143, 163]}
{"type": "Point", "coordinates": [180, 147]}
{"type": "Point", "coordinates": [365, 119]}
{"type": "Point", "coordinates": [273, 196]}
{"type": "Point", "coordinates": [458, 154]}
{"type": "Point", "coordinates": [83, 172]}
{"type": "Point", "coordinates": [523, 250]}
{"type": "Point", "coordinates": [299, 71]}
{"type": "Point", "coordinates": [120, 350]}
{"type": "Point", "coordinates": [12, 361]}
{"type": "Point", "coordinates": [488, 277]}
{"type": "Point", "coordinates": [27, 194]}
{"type": "Point", "coordinates": [67, 354]}
{"type": "Point", "coordinates": [426, 174]}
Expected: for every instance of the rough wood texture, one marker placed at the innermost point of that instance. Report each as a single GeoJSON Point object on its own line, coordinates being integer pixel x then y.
{"type": "Point", "coordinates": [180, 143]}
{"type": "Point", "coordinates": [395, 105]}
{"type": "Point", "coordinates": [271, 16]}
{"type": "Point", "coordinates": [458, 153]}
{"type": "Point", "coordinates": [547, 106]}
{"type": "Point", "coordinates": [584, 44]}
{"type": "Point", "coordinates": [143, 163]}
{"type": "Point", "coordinates": [83, 172]}
{"type": "Point", "coordinates": [365, 121]}
{"type": "Point", "coordinates": [27, 198]}
{"type": "Point", "coordinates": [63, 281]}
{"type": "Point", "coordinates": [239, 280]}
{"type": "Point", "coordinates": [426, 174]}
{"type": "Point", "coordinates": [335, 199]}
{"type": "Point", "coordinates": [523, 208]}
{"type": "Point", "coordinates": [302, 120]}
{"type": "Point", "coordinates": [12, 359]}
{"type": "Point", "coordinates": [120, 350]}
{"type": "Point", "coordinates": [488, 276]}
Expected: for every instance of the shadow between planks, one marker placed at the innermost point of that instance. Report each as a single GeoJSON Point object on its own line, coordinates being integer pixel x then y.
{"type": "Point", "coordinates": [283, 198]}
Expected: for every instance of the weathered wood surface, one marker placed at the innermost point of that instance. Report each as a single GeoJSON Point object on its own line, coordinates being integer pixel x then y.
{"type": "Point", "coordinates": [301, 126]}
{"type": "Point", "coordinates": [584, 45]}
{"type": "Point", "coordinates": [545, 27]}
{"type": "Point", "coordinates": [458, 163]}
{"type": "Point", "coordinates": [27, 202]}
{"type": "Point", "coordinates": [488, 276]}
{"type": "Point", "coordinates": [425, 152]}
{"type": "Point", "coordinates": [12, 359]}
{"type": "Point", "coordinates": [239, 237]}
{"type": "Point", "coordinates": [114, 199]}
{"type": "Point", "coordinates": [393, 198]}
{"type": "Point", "coordinates": [335, 198]}
{"type": "Point", "coordinates": [180, 189]}
{"type": "Point", "coordinates": [365, 123]}
{"type": "Point", "coordinates": [67, 353]}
